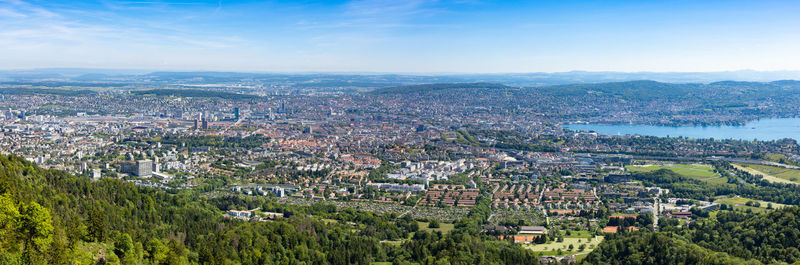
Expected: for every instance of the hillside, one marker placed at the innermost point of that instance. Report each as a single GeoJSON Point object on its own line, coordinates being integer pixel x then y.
{"type": "Point", "coordinates": [195, 93]}
{"type": "Point", "coordinates": [428, 88]}
{"type": "Point", "coordinates": [52, 217]}
{"type": "Point", "coordinates": [631, 90]}
{"type": "Point", "coordinates": [45, 91]}
{"type": "Point", "coordinates": [654, 248]}
{"type": "Point", "coordinates": [730, 238]}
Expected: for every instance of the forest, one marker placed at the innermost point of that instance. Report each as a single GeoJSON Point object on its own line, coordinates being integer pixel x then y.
{"type": "Point", "coordinates": [429, 88]}
{"type": "Point", "coordinates": [52, 217]}
{"type": "Point", "coordinates": [194, 93]}
{"type": "Point", "coordinates": [729, 238]}
{"type": "Point", "coordinates": [46, 91]}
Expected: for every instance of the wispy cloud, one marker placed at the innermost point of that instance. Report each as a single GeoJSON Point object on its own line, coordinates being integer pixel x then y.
{"type": "Point", "coordinates": [10, 13]}
{"type": "Point", "coordinates": [387, 8]}
{"type": "Point", "coordinates": [376, 14]}
{"type": "Point", "coordinates": [23, 23]}
{"type": "Point", "coordinates": [21, 7]}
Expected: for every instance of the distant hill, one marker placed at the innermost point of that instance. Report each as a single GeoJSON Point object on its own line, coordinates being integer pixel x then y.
{"type": "Point", "coordinates": [378, 80]}
{"type": "Point", "coordinates": [628, 90]}
{"type": "Point", "coordinates": [650, 90]}
{"type": "Point", "coordinates": [63, 84]}
{"type": "Point", "coordinates": [640, 89]}
{"type": "Point", "coordinates": [44, 91]}
{"type": "Point", "coordinates": [416, 89]}
{"type": "Point", "coordinates": [194, 93]}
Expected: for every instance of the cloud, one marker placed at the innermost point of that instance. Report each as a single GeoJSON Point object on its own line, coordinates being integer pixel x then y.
{"type": "Point", "coordinates": [375, 14]}
{"type": "Point", "coordinates": [33, 24]}
{"type": "Point", "coordinates": [9, 13]}
{"type": "Point", "coordinates": [386, 8]}
{"type": "Point", "coordinates": [21, 7]}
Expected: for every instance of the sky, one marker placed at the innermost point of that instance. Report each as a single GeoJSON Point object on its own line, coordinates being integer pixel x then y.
{"type": "Point", "coordinates": [402, 36]}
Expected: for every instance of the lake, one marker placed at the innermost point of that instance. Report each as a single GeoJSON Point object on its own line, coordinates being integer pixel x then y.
{"type": "Point", "coordinates": [765, 129]}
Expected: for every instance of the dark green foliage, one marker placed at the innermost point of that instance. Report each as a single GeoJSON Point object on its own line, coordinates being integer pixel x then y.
{"type": "Point", "coordinates": [505, 140]}
{"type": "Point", "coordinates": [123, 245]}
{"type": "Point", "coordinates": [685, 187]}
{"type": "Point", "coordinates": [769, 238]}
{"type": "Point", "coordinates": [213, 141]}
{"type": "Point", "coordinates": [45, 91]}
{"type": "Point", "coordinates": [147, 226]}
{"type": "Point", "coordinates": [195, 93]}
{"type": "Point", "coordinates": [630, 90]}
{"type": "Point", "coordinates": [653, 248]}
{"type": "Point", "coordinates": [426, 88]}
{"type": "Point", "coordinates": [379, 174]}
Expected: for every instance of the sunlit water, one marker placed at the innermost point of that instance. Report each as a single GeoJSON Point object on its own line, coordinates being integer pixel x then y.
{"type": "Point", "coordinates": [766, 129]}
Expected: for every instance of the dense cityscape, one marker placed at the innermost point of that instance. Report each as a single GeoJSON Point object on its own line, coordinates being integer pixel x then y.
{"type": "Point", "coordinates": [417, 132]}
{"type": "Point", "coordinates": [408, 153]}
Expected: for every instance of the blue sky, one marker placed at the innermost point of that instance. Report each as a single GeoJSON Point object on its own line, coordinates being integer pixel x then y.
{"type": "Point", "coordinates": [469, 36]}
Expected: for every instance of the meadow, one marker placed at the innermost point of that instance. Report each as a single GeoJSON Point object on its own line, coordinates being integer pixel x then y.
{"type": "Point", "coordinates": [772, 173]}
{"type": "Point", "coordinates": [702, 172]}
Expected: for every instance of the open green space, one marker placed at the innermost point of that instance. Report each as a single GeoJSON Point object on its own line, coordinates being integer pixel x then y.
{"type": "Point", "coordinates": [443, 227]}
{"type": "Point", "coordinates": [702, 172]}
{"type": "Point", "coordinates": [552, 247]}
{"type": "Point", "coordinates": [740, 203]}
{"type": "Point", "coordinates": [773, 173]}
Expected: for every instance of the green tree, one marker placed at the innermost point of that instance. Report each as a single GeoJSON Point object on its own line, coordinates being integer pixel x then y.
{"type": "Point", "coordinates": [156, 251]}
{"type": "Point", "coordinates": [35, 228]}
{"type": "Point", "coordinates": [9, 220]}
{"type": "Point", "coordinates": [97, 224]}
{"type": "Point", "coordinates": [123, 245]}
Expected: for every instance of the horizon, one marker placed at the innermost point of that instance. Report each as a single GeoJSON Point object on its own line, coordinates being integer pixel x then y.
{"type": "Point", "coordinates": [415, 37]}
{"type": "Point", "coordinates": [529, 79]}
{"type": "Point", "coordinates": [90, 70]}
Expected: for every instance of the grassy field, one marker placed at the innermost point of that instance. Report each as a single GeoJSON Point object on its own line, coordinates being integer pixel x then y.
{"type": "Point", "coordinates": [443, 227]}
{"type": "Point", "coordinates": [772, 173]}
{"type": "Point", "coordinates": [739, 203]}
{"type": "Point", "coordinates": [700, 172]}
{"type": "Point", "coordinates": [330, 221]}
{"type": "Point", "coordinates": [552, 248]}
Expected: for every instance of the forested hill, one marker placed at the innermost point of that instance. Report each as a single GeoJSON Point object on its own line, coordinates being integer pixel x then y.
{"type": "Point", "coordinates": [729, 238]}
{"type": "Point", "coordinates": [427, 88]}
{"type": "Point", "coordinates": [630, 90]}
{"type": "Point", "coordinates": [45, 91]}
{"type": "Point", "coordinates": [195, 93]}
{"type": "Point", "coordinates": [52, 217]}
{"type": "Point", "coordinates": [651, 90]}
{"type": "Point", "coordinates": [643, 90]}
